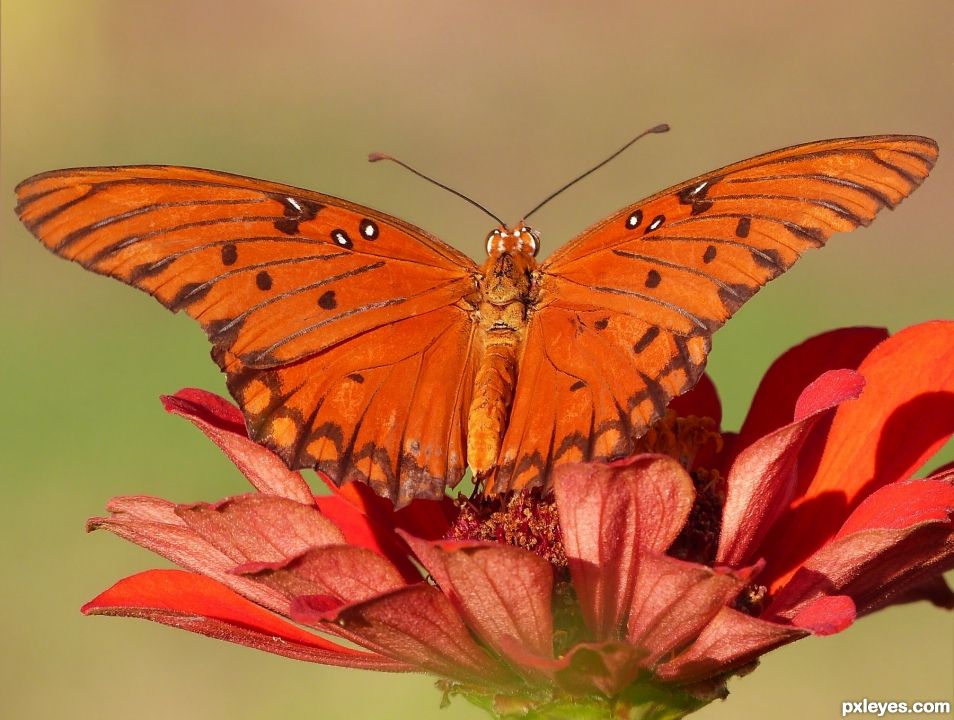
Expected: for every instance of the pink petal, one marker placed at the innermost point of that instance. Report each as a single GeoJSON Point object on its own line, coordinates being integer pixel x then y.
{"type": "Point", "coordinates": [203, 606]}
{"type": "Point", "coordinates": [415, 625]}
{"type": "Point", "coordinates": [675, 600]}
{"type": "Point", "coordinates": [732, 640]}
{"type": "Point", "coordinates": [153, 524]}
{"type": "Point", "coordinates": [763, 478]}
{"type": "Point", "coordinates": [598, 515]}
{"type": "Point", "coordinates": [599, 507]}
{"type": "Point", "coordinates": [664, 494]}
{"type": "Point", "coordinates": [605, 668]}
{"type": "Point", "coordinates": [223, 423]}
{"type": "Point", "coordinates": [503, 593]}
{"type": "Point", "coordinates": [261, 528]}
{"type": "Point", "coordinates": [774, 402]}
{"type": "Point", "coordinates": [347, 573]}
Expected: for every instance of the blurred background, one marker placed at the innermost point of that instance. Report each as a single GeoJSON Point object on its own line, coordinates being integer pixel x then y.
{"type": "Point", "coordinates": [504, 101]}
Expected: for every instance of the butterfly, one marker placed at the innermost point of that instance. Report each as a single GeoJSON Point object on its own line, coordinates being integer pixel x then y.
{"type": "Point", "coordinates": [364, 347]}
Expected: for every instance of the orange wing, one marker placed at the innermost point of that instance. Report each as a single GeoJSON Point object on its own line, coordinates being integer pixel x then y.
{"type": "Point", "coordinates": [343, 331]}
{"type": "Point", "coordinates": [627, 308]}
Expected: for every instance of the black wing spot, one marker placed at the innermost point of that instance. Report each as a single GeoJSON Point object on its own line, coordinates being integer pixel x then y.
{"type": "Point", "coordinates": [768, 258]}
{"type": "Point", "coordinates": [634, 220]}
{"type": "Point", "coordinates": [150, 269]}
{"type": "Point", "coordinates": [653, 278]}
{"type": "Point", "coordinates": [328, 301]}
{"type": "Point", "coordinates": [296, 211]}
{"type": "Point", "coordinates": [578, 385]}
{"type": "Point", "coordinates": [601, 323]}
{"type": "Point", "coordinates": [646, 340]}
{"type": "Point", "coordinates": [696, 196]}
{"type": "Point", "coordinates": [369, 229]}
{"type": "Point", "coordinates": [229, 254]}
{"type": "Point", "coordinates": [655, 224]}
{"type": "Point", "coordinates": [263, 280]}
{"type": "Point", "coordinates": [710, 254]}
{"type": "Point", "coordinates": [340, 237]}
{"type": "Point", "coordinates": [742, 229]}
{"type": "Point", "coordinates": [356, 377]}
{"type": "Point", "coordinates": [188, 294]}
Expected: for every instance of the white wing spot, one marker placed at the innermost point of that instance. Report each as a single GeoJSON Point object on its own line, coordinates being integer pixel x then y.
{"type": "Point", "coordinates": [294, 203]}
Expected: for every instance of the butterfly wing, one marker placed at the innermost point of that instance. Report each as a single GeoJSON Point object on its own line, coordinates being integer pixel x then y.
{"type": "Point", "coordinates": [340, 328]}
{"type": "Point", "coordinates": [626, 309]}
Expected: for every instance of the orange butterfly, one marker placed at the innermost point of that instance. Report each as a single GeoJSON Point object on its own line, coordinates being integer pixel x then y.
{"type": "Point", "coordinates": [362, 346]}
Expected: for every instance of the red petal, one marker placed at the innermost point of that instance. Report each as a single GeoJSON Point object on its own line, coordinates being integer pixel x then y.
{"type": "Point", "coordinates": [826, 615]}
{"type": "Point", "coordinates": [702, 401]}
{"type": "Point", "coordinates": [762, 480]}
{"type": "Point", "coordinates": [774, 402]}
{"type": "Point", "coordinates": [153, 524]}
{"type": "Point", "coordinates": [428, 519]}
{"type": "Point", "coordinates": [881, 557]}
{"type": "Point", "coordinates": [675, 600]}
{"type": "Point", "coordinates": [503, 593]}
{"type": "Point", "coordinates": [201, 605]}
{"type": "Point", "coordinates": [732, 640]}
{"type": "Point", "coordinates": [415, 625]}
{"type": "Point", "coordinates": [347, 573]}
{"type": "Point", "coordinates": [902, 505]}
{"type": "Point", "coordinates": [935, 590]}
{"type": "Point", "coordinates": [904, 415]}
{"type": "Point", "coordinates": [223, 423]}
{"type": "Point", "coordinates": [261, 528]}
{"type": "Point", "coordinates": [359, 530]}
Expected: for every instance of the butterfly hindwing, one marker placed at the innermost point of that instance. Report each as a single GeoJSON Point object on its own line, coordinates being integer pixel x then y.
{"type": "Point", "coordinates": [626, 309]}
{"type": "Point", "coordinates": [301, 294]}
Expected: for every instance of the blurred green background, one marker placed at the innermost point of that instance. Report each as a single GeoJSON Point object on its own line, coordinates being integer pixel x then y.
{"type": "Point", "coordinates": [505, 101]}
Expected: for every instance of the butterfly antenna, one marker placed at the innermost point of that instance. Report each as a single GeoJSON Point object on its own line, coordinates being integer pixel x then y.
{"type": "Point", "coordinates": [375, 157]}
{"type": "Point", "coordinates": [658, 129]}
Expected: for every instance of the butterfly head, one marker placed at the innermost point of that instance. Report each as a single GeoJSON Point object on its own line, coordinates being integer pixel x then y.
{"type": "Point", "coordinates": [518, 240]}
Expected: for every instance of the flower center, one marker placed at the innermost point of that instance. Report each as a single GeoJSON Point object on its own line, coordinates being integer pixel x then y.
{"type": "Point", "coordinates": [523, 519]}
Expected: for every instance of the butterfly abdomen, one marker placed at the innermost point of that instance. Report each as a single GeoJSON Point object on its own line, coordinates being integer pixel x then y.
{"type": "Point", "coordinates": [490, 409]}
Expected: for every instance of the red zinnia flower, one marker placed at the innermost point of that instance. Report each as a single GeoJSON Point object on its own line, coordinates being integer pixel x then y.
{"type": "Point", "coordinates": [640, 584]}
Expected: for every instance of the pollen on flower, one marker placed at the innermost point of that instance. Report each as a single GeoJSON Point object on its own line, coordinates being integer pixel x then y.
{"type": "Point", "coordinates": [680, 437]}
{"type": "Point", "coordinates": [699, 539]}
{"type": "Point", "coordinates": [752, 600]}
{"type": "Point", "coordinates": [525, 519]}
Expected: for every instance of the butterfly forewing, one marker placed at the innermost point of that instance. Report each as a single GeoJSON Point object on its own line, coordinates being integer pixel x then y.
{"type": "Point", "coordinates": [333, 321]}
{"type": "Point", "coordinates": [627, 308]}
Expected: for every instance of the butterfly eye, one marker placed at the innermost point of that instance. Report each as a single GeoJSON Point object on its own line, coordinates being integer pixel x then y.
{"type": "Point", "coordinates": [534, 239]}
{"type": "Point", "coordinates": [491, 239]}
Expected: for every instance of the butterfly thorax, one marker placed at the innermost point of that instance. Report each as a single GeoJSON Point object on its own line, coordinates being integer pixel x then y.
{"type": "Point", "coordinates": [507, 286]}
